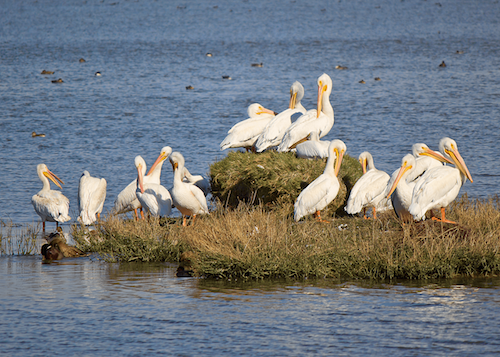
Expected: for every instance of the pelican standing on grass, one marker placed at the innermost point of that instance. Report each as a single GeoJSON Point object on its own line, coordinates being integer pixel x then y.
{"type": "Point", "coordinates": [127, 199]}
{"type": "Point", "coordinates": [274, 131]}
{"type": "Point", "coordinates": [197, 180]}
{"type": "Point", "coordinates": [49, 204]}
{"type": "Point", "coordinates": [324, 189]}
{"type": "Point", "coordinates": [439, 186]}
{"type": "Point", "coordinates": [320, 120]}
{"type": "Point", "coordinates": [369, 190]}
{"type": "Point", "coordinates": [187, 198]}
{"type": "Point", "coordinates": [313, 148]}
{"type": "Point", "coordinates": [91, 196]}
{"type": "Point", "coordinates": [245, 133]}
{"type": "Point", "coordinates": [154, 198]}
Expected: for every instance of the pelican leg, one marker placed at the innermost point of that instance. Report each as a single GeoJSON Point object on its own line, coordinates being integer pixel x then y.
{"type": "Point", "coordinates": [184, 224]}
{"type": "Point", "coordinates": [43, 227]}
{"type": "Point", "coordinates": [364, 213]}
{"type": "Point", "coordinates": [142, 213]}
{"type": "Point", "coordinates": [443, 218]}
{"type": "Point", "coordinates": [194, 216]}
{"type": "Point", "coordinates": [374, 213]}
{"type": "Point", "coordinates": [317, 216]}
{"type": "Point", "coordinates": [98, 216]}
{"type": "Point", "coordinates": [136, 215]}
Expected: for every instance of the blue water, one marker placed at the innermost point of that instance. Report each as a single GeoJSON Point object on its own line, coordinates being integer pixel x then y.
{"type": "Point", "coordinates": [148, 52]}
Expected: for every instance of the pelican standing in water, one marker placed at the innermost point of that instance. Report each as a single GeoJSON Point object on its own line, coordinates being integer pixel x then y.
{"type": "Point", "coordinates": [187, 198]}
{"type": "Point", "coordinates": [49, 204]}
{"type": "Point", "coordinates": [369, 190]}
{"type": "Point", "coordinates": [91, 196]}
{"type": "Point", "coordinates": [276, 128]}
{"type": "Point", "coordinates": [127, 199]}
{"type": "Point", "coordinates": [245, 133]}
{"type": "Point", "coordinates": [320, 120]}
{"type": "Point", "coordinates": [154, 198]}
{"type": "Point", "coordinates": [439, 186]}
{"type": "Point", "coordinates": [324, 189]}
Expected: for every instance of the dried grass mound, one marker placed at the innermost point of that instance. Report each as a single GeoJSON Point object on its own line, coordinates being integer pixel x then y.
{"type": "Point", "coordinates": [275, 179]}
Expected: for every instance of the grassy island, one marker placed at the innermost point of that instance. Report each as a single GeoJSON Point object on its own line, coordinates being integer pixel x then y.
{"type": "Point", "coordinates": [251, 233]}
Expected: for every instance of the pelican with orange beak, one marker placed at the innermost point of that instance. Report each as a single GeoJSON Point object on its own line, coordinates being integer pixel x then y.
{"type": "Point", "coordinates": [49, 204]}
{"type": "Point", "coordinates": [245, 133]}
{"type": "Point", "coordinates": [439, 186]}
{"type": "Point", "coordinates": [319, 120]}
{"type": "Point", "coordinates": [325, 188]}
{"type": "Point", "coordinates": [273, 132]}
{"type": "Point", "coordinates": [154, 198]}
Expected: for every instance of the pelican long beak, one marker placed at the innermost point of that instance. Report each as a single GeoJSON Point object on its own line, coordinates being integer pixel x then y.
{"type": "Point", "coordinates": [321, 89]}
{"type": "Point", "coordinates": [405, 167]}
{"type": "Point", "coordinates": [436, 155]}
{"type": "Point", "coordinates": [293, 100]}
{"type": "Point", "coordinates": [160, 158]}
{"type": "Point", "coordinates": [363, 165]}
{"type": "Point", "coordinates": [459, 162]}
{"type": "Point", "coordinates": [263, 110]}
{"type": "Point", "coordinates": [338, 162]}
{"type": "Point", "coordinates": [175, 165]}
{"type": "Point", "coordinates": [140, 180]}
{"type": "Point", "coordinates": [53, 177]}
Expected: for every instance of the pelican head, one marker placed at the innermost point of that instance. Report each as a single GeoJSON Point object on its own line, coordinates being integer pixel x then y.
{"type": "Point", "coordinates": [324, 88]}
{"type": "Point", "coordinates": [177, 160]}
{"type": "Point", "coordinates": [448, 147]}
{"type": "Point", "coordinates": [420, 149]}
{"type": "Point", "coordinates": [365, 159]}
{"type": "Point", "coordinates": [337, 150]}
{"type": "Point", "coordinates": [164, 154]}
{"type": "Point", "coordinates": [140, 165]}
{"type": "Point", "coordinates": [296, 94]}
{"type": "Point", "coordinates": [407, 164]}
{"type": "Point", "coordinates": [255, 109]}
{"type": "Point", "coordinates": [43, 171]}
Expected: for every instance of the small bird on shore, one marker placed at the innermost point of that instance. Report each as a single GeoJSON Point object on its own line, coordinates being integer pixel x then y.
{"type": "Point", "coordinates": [57, 248]}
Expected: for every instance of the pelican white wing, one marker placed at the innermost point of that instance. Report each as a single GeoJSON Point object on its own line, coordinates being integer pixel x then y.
{"type": "Point", "coordinates": [91, 196]}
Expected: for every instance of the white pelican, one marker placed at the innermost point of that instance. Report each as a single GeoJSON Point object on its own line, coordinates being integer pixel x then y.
{"type": "Point", "coordinates": [369, 190]}
{"type": "Point", "coordinates": [91, 196]}
{"type": "Point", "coordinates": [320, 120]}
{"type": "Point", "coordinates": [438, 187]}
{"type": "Point", "coordinates": [245, 133]}
{"type": "Point", "coordinates": [153, 197]}
{"type": "Point", "coordinates": [197, 180]}
{"type": "Point", "coordinates": [324, 189]}
{"type": "Point", "coordinates": [127, 200]}
{"type": "Point", "coordinates": [313, 148]}
{"type": "Point", "coordinates": [424, 159]}
{"type": "Point", "coordinates": [274, 131]}
{"type": "Point", "coordinates": [49, 204]}
{"type": "Point", "coordinates": [187, 198]}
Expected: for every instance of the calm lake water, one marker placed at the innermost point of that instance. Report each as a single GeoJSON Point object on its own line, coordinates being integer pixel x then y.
{"type": "Point", "coordinates": [148, 52]}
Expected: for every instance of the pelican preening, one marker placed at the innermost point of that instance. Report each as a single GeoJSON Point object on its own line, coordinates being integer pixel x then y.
{"type": "Point", "coordinates": [274, 131]}
{"type": "Point", "coordinates": [369, 190]}
{"type": "Point", "coordinates": [324, 189]}
{"type": "Point", "coordinates": [245, 133]}
{"type": "Point", "coordinates": [49, 204]}
{"type": "Point", "coordinates": [439, 186]}
{"type": "Point", "coordinates": [320, 120]}
{"type": "Point", "coordinates": [154, 198]}
{"type": "Point", "coordinates": [312, 148]}
{"type": "Point", "coordinates": [91, 196]}
{"type": "Point", "coordinates": [187, 198]}
{"type": "Point", "coordinates": [197, 180]}
{"type": "Point", "coordinates": [127, 199]}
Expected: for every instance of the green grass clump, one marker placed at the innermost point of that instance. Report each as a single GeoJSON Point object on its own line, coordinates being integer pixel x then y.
{"type": "Point", "coordinates": [275, 179]}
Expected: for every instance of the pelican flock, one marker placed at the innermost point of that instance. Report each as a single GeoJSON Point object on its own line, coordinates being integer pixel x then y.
{"type": "Point", "coordinates": [423, 182]}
